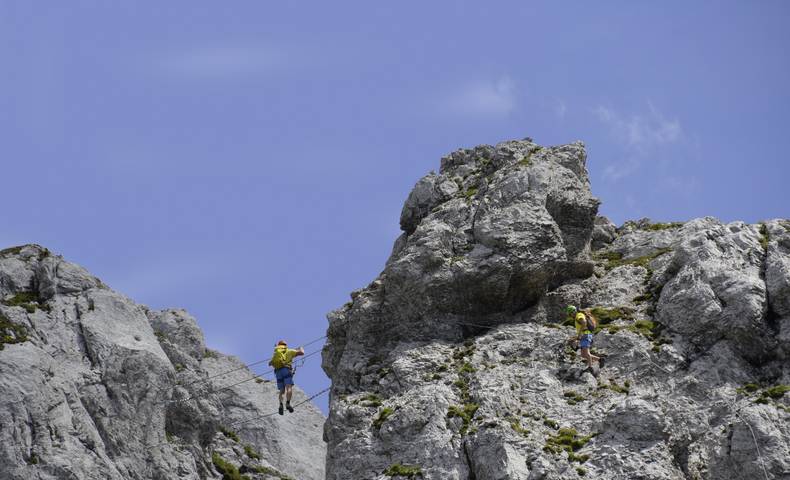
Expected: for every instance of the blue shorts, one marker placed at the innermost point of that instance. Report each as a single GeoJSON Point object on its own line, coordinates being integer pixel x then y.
{"type": "Point", "coordinates": [586, 340]}
{"type": "Point", "coordinates": [284, 377]}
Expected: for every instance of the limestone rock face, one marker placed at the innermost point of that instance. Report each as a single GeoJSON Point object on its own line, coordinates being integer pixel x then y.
{"type": "Point", "coordinates": [453, 362]}
{"type": "Point", "coordinates": [95, 386]}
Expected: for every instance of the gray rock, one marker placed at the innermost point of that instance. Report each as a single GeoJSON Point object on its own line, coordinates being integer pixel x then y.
{"type": "Point", "coordinates": [604, 232]}
{"type": "Point", "coordinates": [718, 292]}
{"type": "Point", "coordinates": [452, 362]}
{"type": "Point", "coordinates": [103, 388]}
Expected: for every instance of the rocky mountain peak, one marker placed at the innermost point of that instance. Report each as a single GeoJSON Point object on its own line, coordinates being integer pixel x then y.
{"type": "Point", "coordinates": [96, 386]}
{"type": "Point", "coordinates": [454, 363]}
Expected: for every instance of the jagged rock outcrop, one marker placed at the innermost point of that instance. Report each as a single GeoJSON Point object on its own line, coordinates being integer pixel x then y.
{"type": "Point", "coordinates": [452, 364]}
{"type": "Point", "coordinates": [95, 386]}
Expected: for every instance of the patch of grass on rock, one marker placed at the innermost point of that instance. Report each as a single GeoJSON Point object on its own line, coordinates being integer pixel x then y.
{"type": "Point", "coordinates": [271, 472]}
{"type": "Point", "coordinates": [406, 471]}
{"type": "Point", "coordinates": [625, 388]}
{"type": "Point", "coordinates": [11, 251]}
{"type": "Point", "coordinates": [572, 397]}
{"type": "Point", "coordinates": [250, 452]}
{"type": "Point", "coordinates": [567, 440]}
{"type": "Point", "coordinates": [516, 426]}
{"type": "Point", "coordinates": [382, 417]}
{"type": "Point", "coordinates": [11, 332]}
{"type": "Point", "coordinates": [208, 353]}
{"type": "Point", "coordinates": [30, 301]}
{"type": "Point", "coordinates": [765, 238]}
{"type": "Point", "coordinates": [656, 227]}
{"type": "Point", "coordinates": [227, 469]}
{"type": "Point", "coordinates": [465, 412]}
{"type": "Point", "coordinates": [776, 392]}
{"type": "Point", "coordinates": [551, 423]}
{"type": "Point", "coordinates": [466, 367]}
{"type": "Point", "coordinates": [229, 433]}
{"type": "Point", "coordinates": [646, 328]}
{"type": "Point", "coordinates": [370, 400]}
{"type": "Point", "coordinates": [615, 259]}
{"type": "Point", "coordinates": [608, 315]}
{"type": "Point", "coordinates": [645, 297]}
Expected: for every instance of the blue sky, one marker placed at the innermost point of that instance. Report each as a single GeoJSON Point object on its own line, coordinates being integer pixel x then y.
{"type": "Point", "coordinates": [249, 162]}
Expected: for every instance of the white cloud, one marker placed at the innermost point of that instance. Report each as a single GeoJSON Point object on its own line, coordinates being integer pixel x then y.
{"type": "Point", "coordinates": [226, 61]}
{"type": "Point", "coordinates": [622, 169]}
{"type": "Point", "coordinates": [560, 109]}
{"type": "Point", "coordinates": [489, 98]}
{"type": "Point", "coordinates": [640, 132]}
{"type": "Point", "coordinates": [638, 136]}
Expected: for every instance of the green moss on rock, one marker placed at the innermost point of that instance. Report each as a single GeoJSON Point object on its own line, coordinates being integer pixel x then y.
{"type": "Point", "coordinates": [382, 417]}
{"type": "Point", "coordinates": [30, 301]}
{"type": "Point", "coordinates": [11, 332]}
{"type": "Point", "coordinates": [765, 238]}
{"type": "Point", "coordinates": [646, 328]}
{"type": "Point", "coordinates": [11, 251]}
{"type": "Point", "coordinates": [370, 400]}
{"type": "Point", "coordinates": [567, 440]}
{"type": "Point", "coordinates": [227, 469]}
{"type": "Point", "coordinates": [407, 471]}
{"type": "Point", "coordinates": [470, 192]}
{"type": "Point", "coordinates": [625, 389]}
{"type": "Point", "coordinates": [516, 426]}
{"type": "Point", "coordinates": [466, 367]}
{"type": "Point", "coordinates": [615, 259]}
{"type": "Point", "coordinates": [655, 227]}
{"type": "Point", "coordinates": [229, 434]}
{"type": "Point", "coordinates": [551, 423]}
{"type": "Point", "coordinates": [776, 392]}
{"type": "Point", "coordinates": [608, 315]}
{"type": "Point", "coordinates": [251, 452]}
{"type": "Point", "coordinates": [465, 412]}
{"type": "Point", "coordinates": [271, 472]}
{"type": "Point", "coordinates": [572, 397]}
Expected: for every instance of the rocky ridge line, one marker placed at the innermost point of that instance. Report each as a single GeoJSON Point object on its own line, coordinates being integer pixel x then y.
{"type": "Point", "coordinates": [90, 385]}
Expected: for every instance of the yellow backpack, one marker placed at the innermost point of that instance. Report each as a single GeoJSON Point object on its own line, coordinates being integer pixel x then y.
{"type": "Point", "coordinates": [280, 358]}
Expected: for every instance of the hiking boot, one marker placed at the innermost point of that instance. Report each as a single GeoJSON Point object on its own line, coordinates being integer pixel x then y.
{"type": "Point", "coordinates": [280, 410]}
{"type": "Point", "coordinates": [289, 407]}
{"type": "Point", "coordinates": [601, 362]}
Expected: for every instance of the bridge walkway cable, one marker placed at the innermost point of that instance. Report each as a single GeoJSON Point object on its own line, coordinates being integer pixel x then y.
{"type": "Point", "coordinates": [305, 357]}
{"type": "Point", "coordinates": [302, 345]}
{"type": "Point", "coordinates": [244, 366]}
{"type": "Point", "coordinates": [226, 387]}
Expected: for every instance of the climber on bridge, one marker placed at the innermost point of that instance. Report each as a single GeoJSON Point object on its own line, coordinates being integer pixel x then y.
{"type": "Point", "coordinates": [282, 362]}
{"type": "Point", "coordinates": [585, 324]}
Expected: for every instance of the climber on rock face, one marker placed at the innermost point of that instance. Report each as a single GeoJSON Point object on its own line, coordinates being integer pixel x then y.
{"type": "Point", "coordinates": [282, 362]}
{"type": "Point", "coordinates": [585, 325]}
